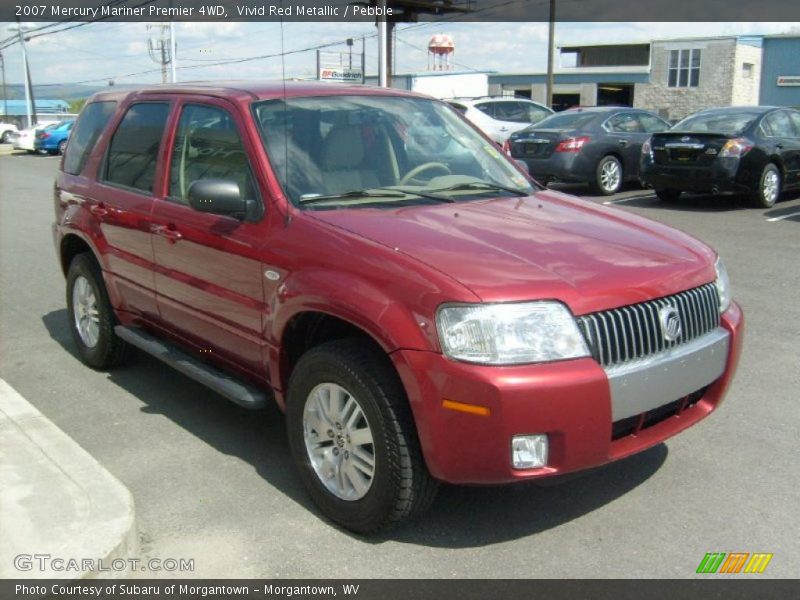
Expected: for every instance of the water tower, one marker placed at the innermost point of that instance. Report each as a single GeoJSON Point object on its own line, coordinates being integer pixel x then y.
{"type": "Point", "coordinates": [441, 49]}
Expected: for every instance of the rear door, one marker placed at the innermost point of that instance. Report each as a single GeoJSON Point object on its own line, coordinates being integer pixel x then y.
{"type": "Point", "coordinates": [783, 135]}
{"type": "Point", "coordinates": [208, 274]}
{"type": "Point", "coordinates": [122, 199]}
{"type": "Point", "coordinates": [627, 133]}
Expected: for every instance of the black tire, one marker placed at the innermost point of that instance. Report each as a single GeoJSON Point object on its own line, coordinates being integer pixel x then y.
{"type": "Point", "coordinates": [62, 146]}
{"type": "Point", "coordinates": [5, 137]}
{"type": "Point", "coordinates": [764, 198]}
{"type": "Point", "coordinates": [668, 195]}
{"type": "Point", "coordinates": [401, 486]}
{"type": "Point", "coordinates": [109, 350]}
{"type": "Point", "coordinates": [603, 186]}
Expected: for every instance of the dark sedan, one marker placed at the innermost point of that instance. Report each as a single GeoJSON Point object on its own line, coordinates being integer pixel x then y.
{"type": "Point", "coordinates": [597, 145]}
{"type": "Point", "coordinates": [753, 149]}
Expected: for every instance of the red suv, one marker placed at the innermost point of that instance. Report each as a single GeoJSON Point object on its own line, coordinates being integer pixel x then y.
{"type": "Point", "coordinates": [418, 307]}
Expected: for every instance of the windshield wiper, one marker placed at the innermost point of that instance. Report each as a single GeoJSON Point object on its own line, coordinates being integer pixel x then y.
{"type": "Point", "coordinates": [388, 192]}
{"type": "Point", "coordinates": [487, 186]}
{"type": "Point", "coordinates": [310, 199]}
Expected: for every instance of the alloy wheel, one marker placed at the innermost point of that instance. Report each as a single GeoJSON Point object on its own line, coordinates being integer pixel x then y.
{"type": "Point", "coordinates": [769, 186]}
{"type": "Point", "coordinates": [85, 312]}
{"type": "Point", "coordinates": [610, 175]}
{"type": "Point", "coordinates": [339, 441]}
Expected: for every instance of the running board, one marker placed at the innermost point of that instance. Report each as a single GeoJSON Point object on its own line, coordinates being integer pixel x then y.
{"type": "Point", "coordinates": [233, 389]}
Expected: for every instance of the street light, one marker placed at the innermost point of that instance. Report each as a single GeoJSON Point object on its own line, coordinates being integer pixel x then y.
{"type": "Point", "coordinates": [19, 28]}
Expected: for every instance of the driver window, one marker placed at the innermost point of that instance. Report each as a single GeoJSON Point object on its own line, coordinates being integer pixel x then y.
{"type": "Point", "coordinates": [208, 146]}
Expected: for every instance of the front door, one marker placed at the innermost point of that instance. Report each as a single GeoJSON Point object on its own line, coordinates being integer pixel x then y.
{"type": "Point", "coordinates": [208, 273]}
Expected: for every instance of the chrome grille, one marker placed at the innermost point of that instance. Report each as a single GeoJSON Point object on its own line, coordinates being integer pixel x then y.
{"type": "Point", "coordinates": [633, 332]}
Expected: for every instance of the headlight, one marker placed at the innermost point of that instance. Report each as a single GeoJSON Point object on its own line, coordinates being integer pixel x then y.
{"type": "Point", "coordinates": [509, 334]}
{"type": "Point", "coordinates": [723, 286]}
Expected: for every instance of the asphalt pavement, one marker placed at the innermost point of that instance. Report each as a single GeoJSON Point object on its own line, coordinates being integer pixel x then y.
{"type": "Point", "coordinates": [214, 483]}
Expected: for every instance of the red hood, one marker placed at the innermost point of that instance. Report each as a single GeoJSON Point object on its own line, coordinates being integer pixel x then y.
{"type": "Point", "coordinates": [544, 246]}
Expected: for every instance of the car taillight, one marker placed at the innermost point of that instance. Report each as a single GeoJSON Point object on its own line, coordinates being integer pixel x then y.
{"type": "Point", "coordinates": [735, 148]}
{"type": "Point", "coordinates": [507, 147]}
{"type": "Point", "coordinates": [573, 144]}
{"type": "Point", "coordinates": [44, 136]}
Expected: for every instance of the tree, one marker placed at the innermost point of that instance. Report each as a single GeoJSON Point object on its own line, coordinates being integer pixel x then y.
{"type": "Point", "coordinates": [75, 106]}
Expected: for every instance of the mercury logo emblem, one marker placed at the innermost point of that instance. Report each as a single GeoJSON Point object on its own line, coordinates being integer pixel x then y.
{"type": "Point", "coordinates": [685, 138]}
{"type": "Point", "coordinates": [670, 323]}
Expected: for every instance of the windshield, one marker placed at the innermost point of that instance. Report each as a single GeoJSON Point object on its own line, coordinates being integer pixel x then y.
{"type": "Point", "coordinates": [574, 120]}
{"type": "Point", "coordinates": [332, 151]}
{"type": "Point", "coordinates": [725, 123]}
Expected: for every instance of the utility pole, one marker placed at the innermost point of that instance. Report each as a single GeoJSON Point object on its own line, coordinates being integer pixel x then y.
{"type": "Point", "coordinates": [173, 52]}
{"type": "Point", "coordinates": [160, 48]}
{"type": "Point", "coordinates": [29, 100]}
{"type": "Point", "coordinates": [383, 47]}
{"type": "Point", "coordinates": [5, 95]}
{"type": "Point", "coordinates": [551, 41]}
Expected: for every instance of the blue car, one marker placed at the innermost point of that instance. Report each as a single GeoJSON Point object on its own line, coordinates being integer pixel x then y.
{"type": "Point", "coordinates": [53, 139]}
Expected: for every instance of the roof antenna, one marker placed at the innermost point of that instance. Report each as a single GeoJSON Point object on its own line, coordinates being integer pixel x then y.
{"type": "Point", "coordinates": [288, 216]}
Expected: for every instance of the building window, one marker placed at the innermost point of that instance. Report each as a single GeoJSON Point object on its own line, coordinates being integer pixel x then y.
{"type": "Point", "coordinates": [747, 70]}
{"type": "Point", "coordinates": [684, 68]}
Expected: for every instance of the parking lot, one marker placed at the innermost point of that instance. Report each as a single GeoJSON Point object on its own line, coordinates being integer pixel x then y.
{"type": "Point", "coordinates": [215, 483]}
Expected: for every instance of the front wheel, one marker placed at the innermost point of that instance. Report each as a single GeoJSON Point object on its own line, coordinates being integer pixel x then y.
{"type": "Point", "coordinates": [353, 438]}
{"type": "Point", "coordinates": [5, 137]}
{"type": "Point", "coordinates": [769, 187]}
{"type": "Point", "coordinates": [62, 147]}
{"type": "Point", "coordinates": [608, 176]}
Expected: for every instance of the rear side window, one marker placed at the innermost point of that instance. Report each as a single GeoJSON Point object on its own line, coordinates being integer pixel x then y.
{"type": "Point", "coordinates": [133, 151]}
{"type": "Point", "coordinates": [625, 123]}
{"type": "Point", "coordinates": [795, 117]}
{"type": "Point", "coordinates": [90, 125]}
{"type": "Point", "coordinates": [778, 124]}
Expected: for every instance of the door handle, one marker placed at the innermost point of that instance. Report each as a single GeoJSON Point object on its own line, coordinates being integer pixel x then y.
{"type": "Point", "coordinates": [99, 210]}
{"type": "Point", "coordinates": [623, 143]}
{"type": "Point", "coordinates": [167, 231]}
{"type": "Point", "coordinates": [779, 146]}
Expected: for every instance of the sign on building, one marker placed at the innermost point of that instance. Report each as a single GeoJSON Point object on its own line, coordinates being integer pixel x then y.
{"type": "Point", "coordinates": [788, 80]}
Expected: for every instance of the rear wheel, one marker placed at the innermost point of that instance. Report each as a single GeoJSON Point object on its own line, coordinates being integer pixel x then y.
{"type": "Point", "coordinates": [608, 176]}
{"type": "Point", "coordinates": [62, 146]}
{"type": "Point", "coordinates": [5, 137]}
{"type": "Point", "coordinates": [91, 317]}
{"type": "Point", "coordinates": [353, 438]}
{"type": "Point", "coordinates": [769, 187]}
{"type": "Point", "coordinates": [668, 195]}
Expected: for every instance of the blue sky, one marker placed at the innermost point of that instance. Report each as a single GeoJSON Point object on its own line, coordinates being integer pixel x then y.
{"type": "Point", "coordinates": [103, 51]}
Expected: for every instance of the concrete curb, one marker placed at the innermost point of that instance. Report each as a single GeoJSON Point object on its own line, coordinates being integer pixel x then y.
{"type": "Point", "coordinates": [6, 149]}
{"type": "Point", "coordinates": [56, 500]}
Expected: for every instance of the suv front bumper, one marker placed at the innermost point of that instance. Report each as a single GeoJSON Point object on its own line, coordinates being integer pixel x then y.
{"type": "Point", "coordinates": [591, 415]}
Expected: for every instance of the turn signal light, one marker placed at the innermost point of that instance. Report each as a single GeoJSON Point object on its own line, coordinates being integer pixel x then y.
{"type": "Point", "coordinates": [573, 144]}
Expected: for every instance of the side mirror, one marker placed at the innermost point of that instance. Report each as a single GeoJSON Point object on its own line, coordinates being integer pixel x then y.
{"type": "Point", "coordinates": [220, 197]}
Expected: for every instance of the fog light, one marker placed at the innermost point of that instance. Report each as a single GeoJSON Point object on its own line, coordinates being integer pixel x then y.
{"type": "Point", "coordinates": [529, 451]}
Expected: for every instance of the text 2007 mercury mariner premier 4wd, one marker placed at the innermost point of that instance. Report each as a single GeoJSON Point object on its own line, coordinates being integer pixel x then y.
{"type": "Point", "coordinates": [420, 308]}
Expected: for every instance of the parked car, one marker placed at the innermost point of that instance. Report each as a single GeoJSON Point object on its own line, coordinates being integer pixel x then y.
{"type": "Point", "coordinates": [420, 314]}
{"type": "Point", "coordinates": [53, 140]}
{"type": "Point", "coordinates": [25, 139]}
{"type": "Point", "coordinates": [6, 131]}
{"type": "Point", "coordinates": [751, 149]}
{"type": "Point", "coordinates": [596, 145]}
{"type": "Point", "coordinates": [499, 117]}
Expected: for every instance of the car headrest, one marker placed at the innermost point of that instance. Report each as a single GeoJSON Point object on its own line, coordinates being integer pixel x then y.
{"type": "Point", "coordinates": [343, 148]}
